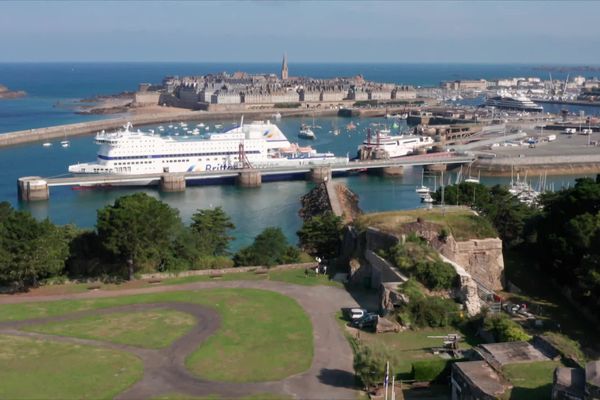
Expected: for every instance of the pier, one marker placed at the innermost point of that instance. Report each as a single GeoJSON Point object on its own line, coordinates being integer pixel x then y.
{"type": "Point", "coordinates": [33, 188]}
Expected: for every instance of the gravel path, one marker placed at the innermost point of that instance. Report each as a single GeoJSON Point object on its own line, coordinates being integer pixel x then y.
{"type": "Point", "coordinates": [330, 376]}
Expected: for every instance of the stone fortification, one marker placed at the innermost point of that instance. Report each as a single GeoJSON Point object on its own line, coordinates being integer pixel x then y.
{"type": "Point", "coordinates": [482, 258]}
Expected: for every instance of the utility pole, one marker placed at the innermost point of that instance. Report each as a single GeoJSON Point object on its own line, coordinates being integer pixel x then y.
{"type": "Point", "coordinates": [442, 183]}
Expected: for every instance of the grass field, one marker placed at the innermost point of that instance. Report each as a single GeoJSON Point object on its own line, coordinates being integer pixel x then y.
{"type": "Point", "coordinates": [264, 335]}
{"type": "Point", "coordinates": [152, 329]}
{"type": "Point", "coordinates": [460, 221]}
{"type": "Point", "coordinates": [263, 338]}
{"type": "Point", "coordinates": [532, 381]}
{"type": "Point", "coordinates": [31, 369]}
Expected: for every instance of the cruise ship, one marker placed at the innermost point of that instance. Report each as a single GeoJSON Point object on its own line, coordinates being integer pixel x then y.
{"type": "Point", "coordinates": [513, 102]}
{"type": "Point", "coordinates": [260, 143]}
{"type": "Point", "coordinates": [392, 146]}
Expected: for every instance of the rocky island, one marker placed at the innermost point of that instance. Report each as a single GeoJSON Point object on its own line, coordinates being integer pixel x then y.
{"type": "Point", "coordinates": [10, 94]}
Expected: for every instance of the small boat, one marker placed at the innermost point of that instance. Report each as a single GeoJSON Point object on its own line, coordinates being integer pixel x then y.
{"type": "Point", "coordinates": [336, 132]}
{"type": "Point", "coordinates": [306, 133]}
{"type": "Point", "coordinates": [200, 125]}
{"type": "Point", "coordinates": [47, 144]}
{"type": "Point", "coordinates": [170, 126]}
{"type": "Point", "coordinates": [423, 190]}
{"type": "Point", "coordinates": [277, 116]}
{"type": "Point", "coordinates": [161, 127]}
{"type": "Point", "coordinates": [207, 128]}
{"type": "Point", "coordinates": [351, 126]}
{"type": "Point", "coordinates": [218, 126]}
{"type": "Point", "coordinates": [65, 143]}
{"type": "Point", "coordinates": [427, 199]}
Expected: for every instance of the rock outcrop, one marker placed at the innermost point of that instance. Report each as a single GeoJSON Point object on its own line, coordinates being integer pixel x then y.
{"type": "Point", "coordinates": [8, 94]}
{"type": "Point", "coordinates": [315, 202]}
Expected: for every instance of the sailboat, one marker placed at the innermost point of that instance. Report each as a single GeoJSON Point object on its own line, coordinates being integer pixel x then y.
{"type": "Point", "coordinates": [65, 142]}
{"type": "Point", "coordinates": [472, 179]}
{"type": "Point", "coordinates": [421, 190]}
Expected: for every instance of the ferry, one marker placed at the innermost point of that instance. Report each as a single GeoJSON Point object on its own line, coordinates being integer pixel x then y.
{"type": "Point", "coordinates": [260, 143]}
{"type": "Point", "coordinates": [508, 101]}
{"type": "Point", "coordinates": [395, 146]}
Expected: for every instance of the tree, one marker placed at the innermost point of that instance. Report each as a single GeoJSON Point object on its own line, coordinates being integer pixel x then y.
{"type": "Point", "coordinates": [370, 364]}
{"type": "Point", "coordinates": [212, 227]}
{"type": "Point", "coordinates": [137, 228]}
{"type": "Point", "coordinates": [270, 248]}
{"type": "Point", "coordinates": [29, 250]}
{"type": "Point", "coordinates": [322, 235]}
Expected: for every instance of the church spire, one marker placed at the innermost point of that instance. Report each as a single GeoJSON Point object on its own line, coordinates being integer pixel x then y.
{"type": "Point", "coordinates": [284, 68]}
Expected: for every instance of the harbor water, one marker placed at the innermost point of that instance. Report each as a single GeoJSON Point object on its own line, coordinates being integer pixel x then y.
{"type": "Point", "coordinates": [52, 88]}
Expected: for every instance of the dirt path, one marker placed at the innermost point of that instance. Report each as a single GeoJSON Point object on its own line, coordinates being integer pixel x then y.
{"type": "Point", "coordinates": [330, 376]}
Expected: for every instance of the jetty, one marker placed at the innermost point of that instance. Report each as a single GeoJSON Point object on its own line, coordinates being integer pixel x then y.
{"type": "Point", "coordinates": [32, 188]}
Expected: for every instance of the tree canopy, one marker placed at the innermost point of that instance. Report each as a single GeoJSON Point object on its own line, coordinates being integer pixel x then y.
{"type": "Point", "coordinates": [270, 248]}
{"type": "Point", "coordinates": [212, 227]}
{"type": "Point", "coordinates": [30, 250]}
{"type": "Point", "coordinates": [138, 229]}
{"type": "Point", "coordinates": [321, 235]}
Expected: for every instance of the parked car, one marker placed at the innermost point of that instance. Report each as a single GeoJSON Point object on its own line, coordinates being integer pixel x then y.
{"type": "Point", "coordinates": [368, 321]}
{"type": "Point", "coordinates": [351, 314]}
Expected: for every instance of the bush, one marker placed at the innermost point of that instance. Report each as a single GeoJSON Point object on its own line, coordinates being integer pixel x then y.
{"type": "Point", "coordinates": [504, 329]}
{"type": "Point", "coordinates": [433, 312]}
{"type": "Point", "coordinates": [213, 262]}
{"type": "Point", "coordinates": [430, 370]}
{"type": "Point", "coordinates": [435, 275]}
{"type": "Point", "coordinates": [370, 364]}
{"type": "Point", "coordinates": [287, 105]}
{"type": "Point", "coordinates": [568, 347]}
{"type": "Point", "coordinates": [270, 248]}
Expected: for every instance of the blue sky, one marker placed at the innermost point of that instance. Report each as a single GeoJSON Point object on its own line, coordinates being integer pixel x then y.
{"type": "Point", "coordinates": [310, 31]}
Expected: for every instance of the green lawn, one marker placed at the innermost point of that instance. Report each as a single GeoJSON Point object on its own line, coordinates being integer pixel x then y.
{"type": "Point", "coordinates": [263, 338]}
{"type": "Point", "coordinates": [31, 368]}
{"type": "Point", "coordinates": [264, 335]}
{"type": "Point", "coordinates": [460, 221]}
{"type": "Point", "coordinates": [531, 381]}
{"type": "Point", "coordinates": [152, 329]}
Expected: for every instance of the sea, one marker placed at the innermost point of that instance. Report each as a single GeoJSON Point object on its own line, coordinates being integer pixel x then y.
{"type": "Point", "coordinates": [53, 90]}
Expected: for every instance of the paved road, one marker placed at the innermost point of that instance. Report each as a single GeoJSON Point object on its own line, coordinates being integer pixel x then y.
{"type": "Point", "coordinates": [330, 376]}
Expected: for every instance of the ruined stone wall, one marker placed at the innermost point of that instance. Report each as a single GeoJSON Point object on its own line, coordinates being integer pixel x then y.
{"type": "Point", "coordinates": [481, 258]}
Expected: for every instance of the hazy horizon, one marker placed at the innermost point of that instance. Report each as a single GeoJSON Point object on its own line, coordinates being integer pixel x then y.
{"type": "Point", "coordinates": [310, 32]}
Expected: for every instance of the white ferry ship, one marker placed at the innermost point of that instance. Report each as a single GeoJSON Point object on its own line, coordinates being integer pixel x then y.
{"type": "Point", "coordinates": [394, 146]}
{"type": "Point", "coordinates": [263, 145]}
{"type": "Point", "coordinates": [508, 101]}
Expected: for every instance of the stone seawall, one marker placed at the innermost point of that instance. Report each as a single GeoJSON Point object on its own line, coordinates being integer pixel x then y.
{"type": "Point", "coordinates": [551, 165]}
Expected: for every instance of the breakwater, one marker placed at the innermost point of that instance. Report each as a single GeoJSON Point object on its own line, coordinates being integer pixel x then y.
{"type": "Point", "coordinates": [91, 127]}
{"type": "Point", "coordinates": [550, 165]}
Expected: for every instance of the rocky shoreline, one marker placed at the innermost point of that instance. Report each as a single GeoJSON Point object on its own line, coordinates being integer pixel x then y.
{"type": "Point", "coordinates": [5, 93]}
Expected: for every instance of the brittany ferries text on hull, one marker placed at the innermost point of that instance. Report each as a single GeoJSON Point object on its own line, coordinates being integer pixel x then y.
{"type": "Point", "coordinates": [133, 153]}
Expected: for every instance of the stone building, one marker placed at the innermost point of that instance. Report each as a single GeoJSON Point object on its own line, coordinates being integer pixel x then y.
{"type": "Point", "coordinates": [577, 383]}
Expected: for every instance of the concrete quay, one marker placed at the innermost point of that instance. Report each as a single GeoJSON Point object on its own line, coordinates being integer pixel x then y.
{"type": "Point", "coordinates": [34, 188]}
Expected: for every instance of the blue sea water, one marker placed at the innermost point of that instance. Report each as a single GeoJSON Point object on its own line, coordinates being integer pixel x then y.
{"type": "Point", "coordinates": [274, 204]}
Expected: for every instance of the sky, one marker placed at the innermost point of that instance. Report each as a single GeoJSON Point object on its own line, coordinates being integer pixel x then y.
{"type": "Point", "coordinates": [559, 32]}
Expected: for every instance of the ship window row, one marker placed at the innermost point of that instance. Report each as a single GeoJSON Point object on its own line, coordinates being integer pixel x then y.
{"type": "Point", "coordinates": [216, 153]}
{"type": "Point", "coordinates": [133, 162]}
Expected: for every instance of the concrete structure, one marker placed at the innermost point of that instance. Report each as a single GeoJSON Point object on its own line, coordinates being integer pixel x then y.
{"type": "Point", "coordinates": [577, 383]}
{"type": "Point", "coordinates": [510, 353]}
{"type": "Point", "coordinates": [32, 188]}
{"type": "Point", "coordinates": [249, 178]}
{"type": "Point", "coordinates": [465, 85]}
{"type": "Point", "coordinates": [320, 174]}
{"type": "Point", "coordinates": [568, 384]}
{"type": "Point", "coordinates": [172, 183]}
{"type": "Point", "coordinates": [476, 380]}
{"type": "Point", "coordinates": [246, 178]}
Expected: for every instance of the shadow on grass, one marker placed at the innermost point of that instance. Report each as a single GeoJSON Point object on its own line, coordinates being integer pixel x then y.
{"type": "Point", "coordinates": [337, 378]}
{"type": "Point", "coordinates": [539, 393]}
